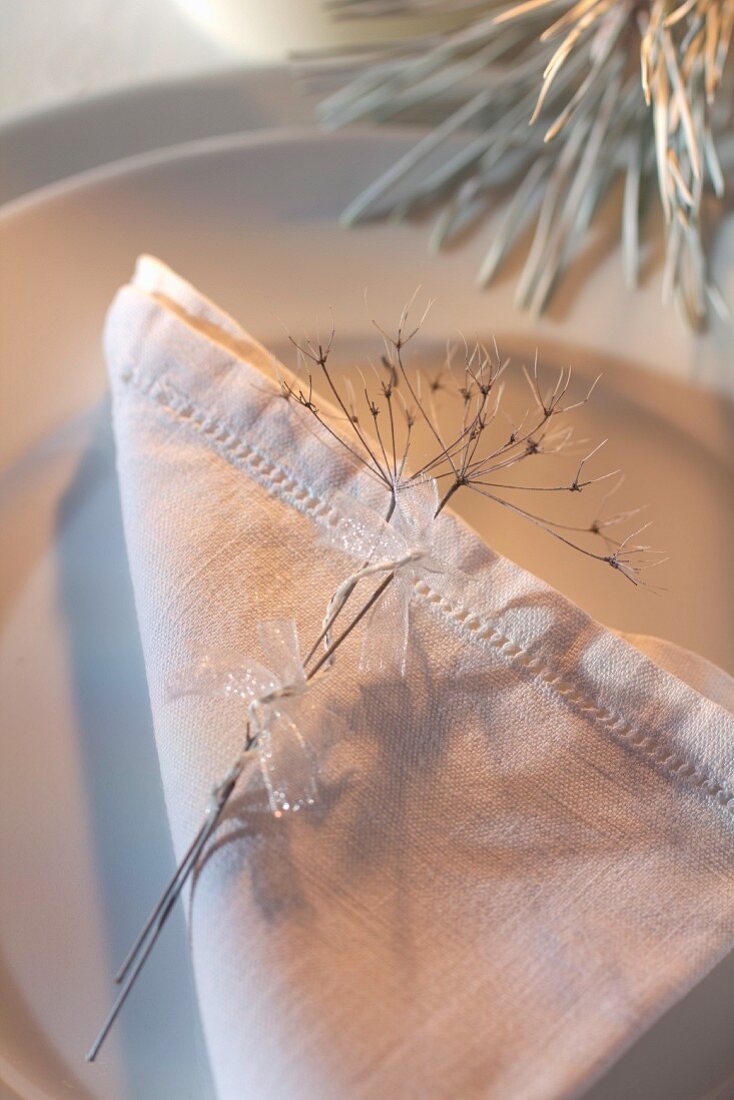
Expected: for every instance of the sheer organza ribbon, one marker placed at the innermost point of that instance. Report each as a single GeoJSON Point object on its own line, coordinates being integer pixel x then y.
{"type": "Point", "coordinates": [402, 544]}
{"type": "Point", "coordinates": [281, 723]}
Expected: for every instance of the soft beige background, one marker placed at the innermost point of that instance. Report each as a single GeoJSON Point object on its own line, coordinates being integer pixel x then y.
{"type": "Point", "coordinates": [55, 50]}
{"type": "Point", "coordinates": [52, 51]}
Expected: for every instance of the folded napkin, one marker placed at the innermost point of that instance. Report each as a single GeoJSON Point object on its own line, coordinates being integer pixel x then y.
{"type": "Point", "coordinates": [522, 852]}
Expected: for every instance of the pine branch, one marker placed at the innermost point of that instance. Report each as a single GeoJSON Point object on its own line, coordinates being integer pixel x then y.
{"type": "Point", "coordinates": [637, 92]}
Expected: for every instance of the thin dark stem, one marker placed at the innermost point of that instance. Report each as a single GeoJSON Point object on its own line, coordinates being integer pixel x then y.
{"type": "Point", "coordinates": [351, 420]}
{"type": "Point", "coordinates": [304, 400]}
{"type": "Point", "coordinates": [419, 405]}
{"type": "Point", "coordinates": [369, 462]}
{"type": "Point", "coordinates": [549, 527]}
{"type": "Point", "coordinates": [155, 924]}
{"type": "Point", "coordinates": [330, 623]}
{"type": "Point", "coordinates": [447, 497]}
{"type": "Point", "coordinates": [388, 397]}
{"type": "Point", "coordinates": [168, 892]}
{"type": "Point", "coordinates": [328, 653]}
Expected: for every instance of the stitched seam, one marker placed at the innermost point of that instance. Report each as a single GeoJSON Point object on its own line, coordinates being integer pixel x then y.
{"type": "Point", "coordinates": [282, 483]}
{"type": "Point", "coordinates": [651, 745]}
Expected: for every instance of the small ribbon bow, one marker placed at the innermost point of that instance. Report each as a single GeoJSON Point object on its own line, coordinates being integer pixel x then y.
{"type": "Point", "coordinates": [403, 546]}
{"type": "Point", "coordinates": [273, 699]}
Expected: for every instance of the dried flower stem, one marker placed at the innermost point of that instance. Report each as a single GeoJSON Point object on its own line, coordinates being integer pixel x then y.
{"type": "Point", "coordinates": [475, 457]}
{"type": "Point", "coordinates": [136, 958]}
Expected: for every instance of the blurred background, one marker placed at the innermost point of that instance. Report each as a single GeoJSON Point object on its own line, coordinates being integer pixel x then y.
{"type": "Point", "coordinates": [83, 47]}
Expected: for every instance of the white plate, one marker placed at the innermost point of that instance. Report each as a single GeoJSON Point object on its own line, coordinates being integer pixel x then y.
{"type": "Point", "coordinates": [40, 147]}
{"type": "Point", "coordinates": [252, 222]}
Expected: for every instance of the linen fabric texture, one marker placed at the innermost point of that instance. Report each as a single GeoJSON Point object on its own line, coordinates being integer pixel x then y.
{"type": "Point", "coordinates": [522, 852]}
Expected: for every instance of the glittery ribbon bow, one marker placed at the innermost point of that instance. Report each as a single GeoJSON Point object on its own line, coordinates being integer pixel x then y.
{"type": "Point", "coordinates": [280, 722]}
{"type": "Point", "coordinates": [405, 546]}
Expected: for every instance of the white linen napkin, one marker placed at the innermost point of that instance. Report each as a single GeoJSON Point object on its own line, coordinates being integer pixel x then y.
{"type": "Point", "coordinates": [522, 852]}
